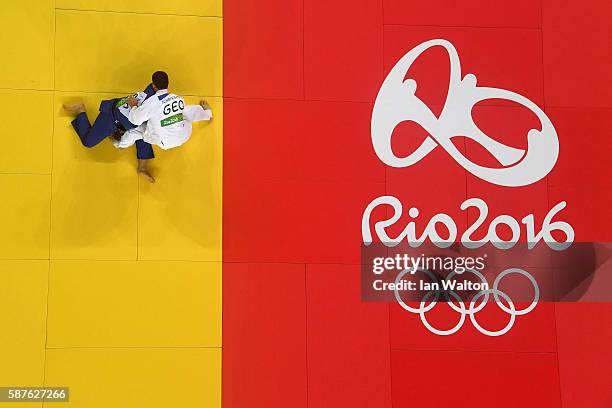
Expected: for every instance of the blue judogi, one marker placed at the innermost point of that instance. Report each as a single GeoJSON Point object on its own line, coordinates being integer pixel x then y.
{"type": "Point", "coordinates": [107, 122]}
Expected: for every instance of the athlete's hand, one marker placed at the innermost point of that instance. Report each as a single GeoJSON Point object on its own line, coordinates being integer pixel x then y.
{"type": "Point", "coordinates": [132, 101]}
{"type": "Point", "coordinates": [205, 105]}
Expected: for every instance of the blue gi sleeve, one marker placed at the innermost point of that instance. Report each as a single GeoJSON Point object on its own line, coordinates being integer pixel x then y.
{"type": "Point", "coordinates": [149, 91]}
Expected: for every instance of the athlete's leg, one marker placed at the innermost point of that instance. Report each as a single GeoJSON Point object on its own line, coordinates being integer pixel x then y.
{"type": "Point", "coordinates": [144, 150]}
{"type": "Point", "coordinates": [90, 136]}
{"type": "Point", "coordinates": [144, 153]}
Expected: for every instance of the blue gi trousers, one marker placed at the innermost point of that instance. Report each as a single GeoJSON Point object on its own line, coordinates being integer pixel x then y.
{"type": "Point", "coordinates": [103, 127]}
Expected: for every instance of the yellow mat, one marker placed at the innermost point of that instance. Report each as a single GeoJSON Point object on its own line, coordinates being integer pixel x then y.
{"type": "Point", "coordinates": [151, 378]}
{"type": "Point", "coordinates": [112, 285]}
{"type": "Point", "coordinates": [171, 226]}
{"type": "Point", "coordinates": [23, 302]}
{"type": "Point", "coordinates": [97, 52]}
{"type": "Point", "coordinates": [180, 7]}
{"type": "Point", "coordinates": [24, 216]}
{"type": "Point", "coordinates": [26, 151]}
{"type": "Point", "coordinates": [27, 38]}
{"type": "Point", "coordinates": [134, 303]}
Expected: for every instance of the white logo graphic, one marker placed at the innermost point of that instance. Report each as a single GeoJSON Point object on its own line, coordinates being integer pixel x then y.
{"type": "Point", "coordinates": [396, 102]}
{"type": "Point", "coordinates": [464, 311]}
{"type": "Point", "coordinates": [447, 223]}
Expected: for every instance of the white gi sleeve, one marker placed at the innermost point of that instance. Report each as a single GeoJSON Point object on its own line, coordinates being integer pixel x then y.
{"type": "Point", "coordinates": [140, 114]}
{"type": "Point", "coordinates": [195, 113]}
{"type": "Point", "coordinates": [130, 137]}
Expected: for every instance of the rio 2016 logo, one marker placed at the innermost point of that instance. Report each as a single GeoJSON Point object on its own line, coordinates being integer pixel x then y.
{"type": "Point", "coordinates": [396, 103]}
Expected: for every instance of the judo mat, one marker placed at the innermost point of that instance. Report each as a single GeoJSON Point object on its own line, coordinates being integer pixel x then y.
{"type": "Point", "coordinates": [234, 280]}
{"type": "Point", "coordinates": [110, 286]}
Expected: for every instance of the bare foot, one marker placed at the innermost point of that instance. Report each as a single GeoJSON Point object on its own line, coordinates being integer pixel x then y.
{"type": "Point", "coordinates": [75, 108]}
{"type": "Point", "coordinates": [145, 173]}
{"type": "Point", "coordinates": [143, 170]}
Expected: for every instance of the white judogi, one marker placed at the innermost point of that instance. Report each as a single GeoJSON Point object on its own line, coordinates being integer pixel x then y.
{"type": "Point", "coordinates": [125, 108]}
{"type": "Point", "coordinates": [168, 121]}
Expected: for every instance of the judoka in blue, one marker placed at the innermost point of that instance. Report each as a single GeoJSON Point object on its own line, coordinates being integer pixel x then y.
{"type": "Point", "coordinates": [111, 121]}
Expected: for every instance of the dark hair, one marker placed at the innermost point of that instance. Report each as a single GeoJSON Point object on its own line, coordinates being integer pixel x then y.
{"type": "Point", "coordinates": [160, 80]}
{"type": "Point", "coordinates": [118, 133]}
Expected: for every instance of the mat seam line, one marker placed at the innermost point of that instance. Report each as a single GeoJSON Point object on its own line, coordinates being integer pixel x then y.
{"type": "Point", "coordinates": [306, 331]}
{"type": "Point", "coordinates": [421, 350]}
{"type": "Point", "coordinates": [461, 26]}
{"type": "Point", "coordinates": [548, 200]}
{"type": "Point", "coordinates": [133, 347]}
{"type": "Point", "coordinates": [136, 12]}
{"type": "Point", "coordinates": [50, 200]}
{"type": "Point", "coordinates": [386, 177]}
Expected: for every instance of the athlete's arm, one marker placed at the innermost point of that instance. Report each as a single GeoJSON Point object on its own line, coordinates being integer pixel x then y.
{"type": "Point", "coordinates": [195, 113]}
{"type": "Point", "coordinates": [140, 114]}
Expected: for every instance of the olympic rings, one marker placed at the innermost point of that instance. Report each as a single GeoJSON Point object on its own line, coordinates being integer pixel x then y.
{"type": "Point", "coordinates": [512, 314]}
{"type": "Point", "coordinates": [464, 311]}
{"type": "Point", "coordinates": [536, 295]}
{"type": "Point", "coordinates": [420, 309]}
{"type": "Point", "coordinates": [450, 331]}
{"type": "Point", "coordinates": [484, 302]}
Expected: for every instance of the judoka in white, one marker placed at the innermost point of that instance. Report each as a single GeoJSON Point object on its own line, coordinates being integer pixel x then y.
{"type": "Point", "coordinates": [167, 131]}
{"type": "Point", "coordinates": [163, 119]}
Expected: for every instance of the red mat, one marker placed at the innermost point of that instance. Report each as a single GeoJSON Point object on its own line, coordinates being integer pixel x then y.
{"type": "Point", "coordinates": [301, 77]}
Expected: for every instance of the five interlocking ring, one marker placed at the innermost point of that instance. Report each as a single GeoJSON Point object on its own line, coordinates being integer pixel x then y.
{"type": "Point", "coordinates": [458, 305]}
